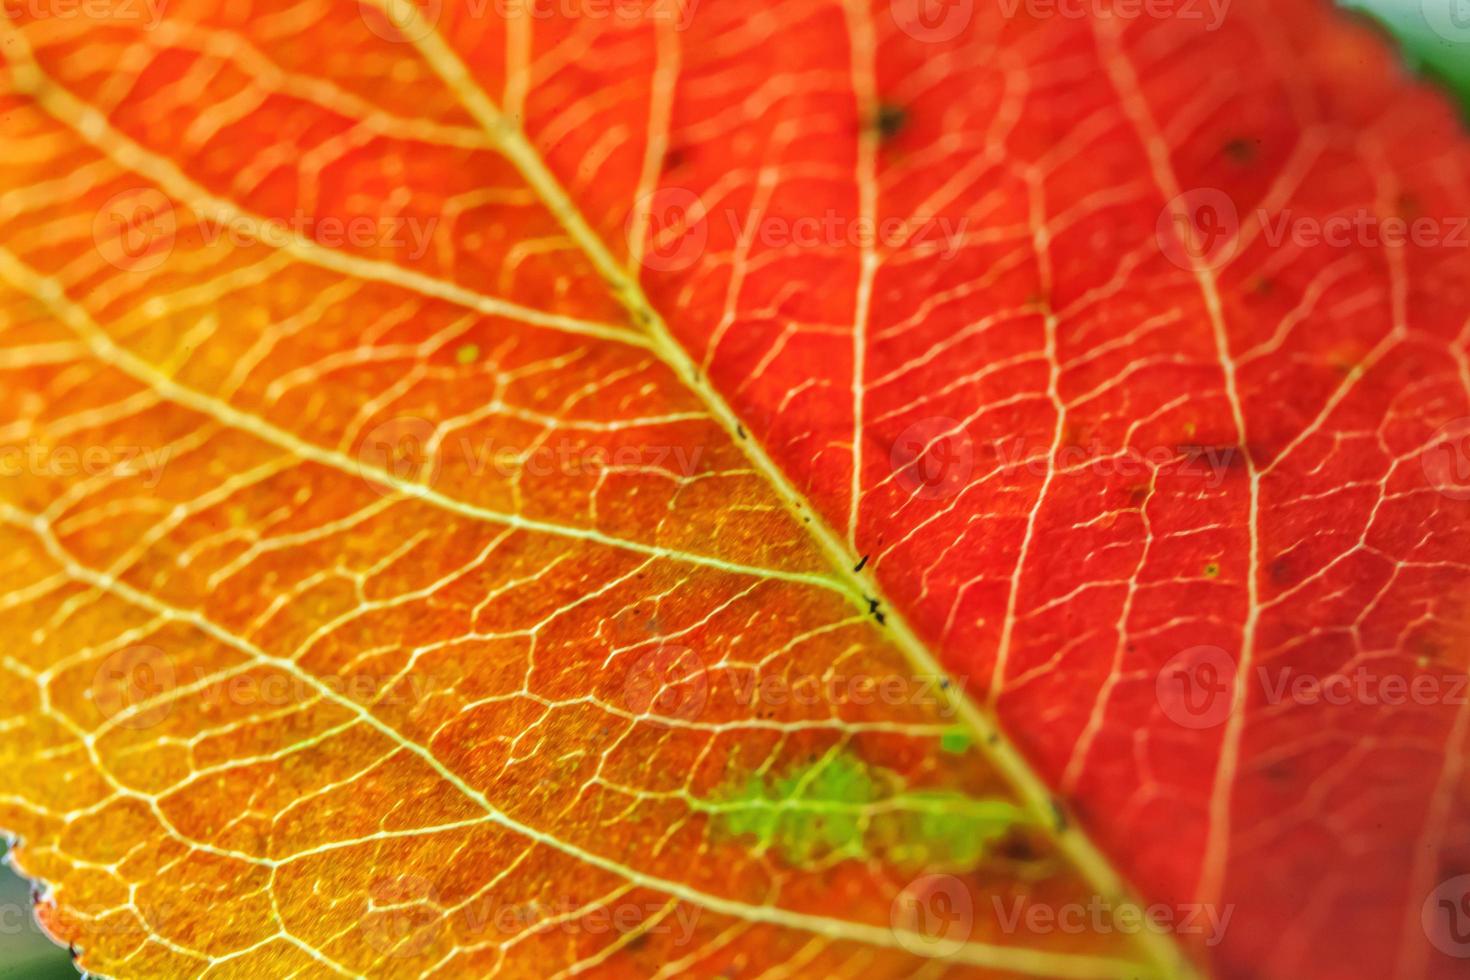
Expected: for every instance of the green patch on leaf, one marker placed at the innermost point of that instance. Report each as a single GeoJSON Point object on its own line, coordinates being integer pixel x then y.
{"type": "Point", "coordinates": [841, 808]}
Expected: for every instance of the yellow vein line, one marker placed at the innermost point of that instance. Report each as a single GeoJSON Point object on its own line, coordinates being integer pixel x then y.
{"type": "Point", "coordinates": [864, 59]}
{"type": "Point", "coordinates": [1217, 840]}
{"type": "Point", "coordinates": [93, 127]}
{"type": "Point", "coordinates": [105, 349]}
{"type": "Point", "coordinates": [1166, 956]}
{"type": "Point", "coordinates": [1061, 965]}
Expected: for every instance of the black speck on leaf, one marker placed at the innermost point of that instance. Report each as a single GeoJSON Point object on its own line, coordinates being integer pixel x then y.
{"type": "Point", "coordinates": [1241, 150]}
{"type": "Point", "coordinates": [890, 120]}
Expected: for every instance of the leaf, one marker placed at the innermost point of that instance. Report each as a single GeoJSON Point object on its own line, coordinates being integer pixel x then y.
{"type": "Point", "coordinates": [492, 491]}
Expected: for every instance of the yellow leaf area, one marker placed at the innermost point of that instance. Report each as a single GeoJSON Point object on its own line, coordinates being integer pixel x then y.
{"type": "Point", "coordinates": [375, 614]}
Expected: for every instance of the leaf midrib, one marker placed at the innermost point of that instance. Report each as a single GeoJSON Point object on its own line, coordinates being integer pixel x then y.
{"type": "Point", "coordinates": [1161, 950]}
{"type": "Point", "coordinates": [1037, 798]}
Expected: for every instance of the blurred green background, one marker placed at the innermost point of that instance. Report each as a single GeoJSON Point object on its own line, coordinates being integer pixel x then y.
{"type": "Point", "coordinates": [1436, 39]}
{"type": "Point", "coordinates": [25, 953]}
{"type": "Point", "coordinates": [1435, 35]}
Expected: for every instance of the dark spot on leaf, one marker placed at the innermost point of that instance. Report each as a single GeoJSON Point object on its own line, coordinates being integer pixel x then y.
{"type": "Point", "coordinates": [1241, 150]}
{"type": "Point", "coordinates": [1016, 846]}
{"type": "Point", "coordinates": [1280, 772]}
{"type": "Point", "coordinates": [874, 607]}
{"type": "Point", "coordinates": [890, 120]}
{"type": "Point", "coordinates": [1281, 572]}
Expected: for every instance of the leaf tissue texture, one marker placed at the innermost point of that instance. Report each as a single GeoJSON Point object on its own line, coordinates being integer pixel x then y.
{"type": "Point", "coordinates": [735, 489]}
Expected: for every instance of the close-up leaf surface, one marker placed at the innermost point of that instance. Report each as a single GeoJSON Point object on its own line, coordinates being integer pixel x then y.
{"type": "Point", "coordinates": [736, 489]}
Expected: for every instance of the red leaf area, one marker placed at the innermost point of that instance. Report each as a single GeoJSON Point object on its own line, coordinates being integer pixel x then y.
{"type": "Point", "coordinates": [1293, 520]}
{"type": "Point", "coordinates": [1026, 302]}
